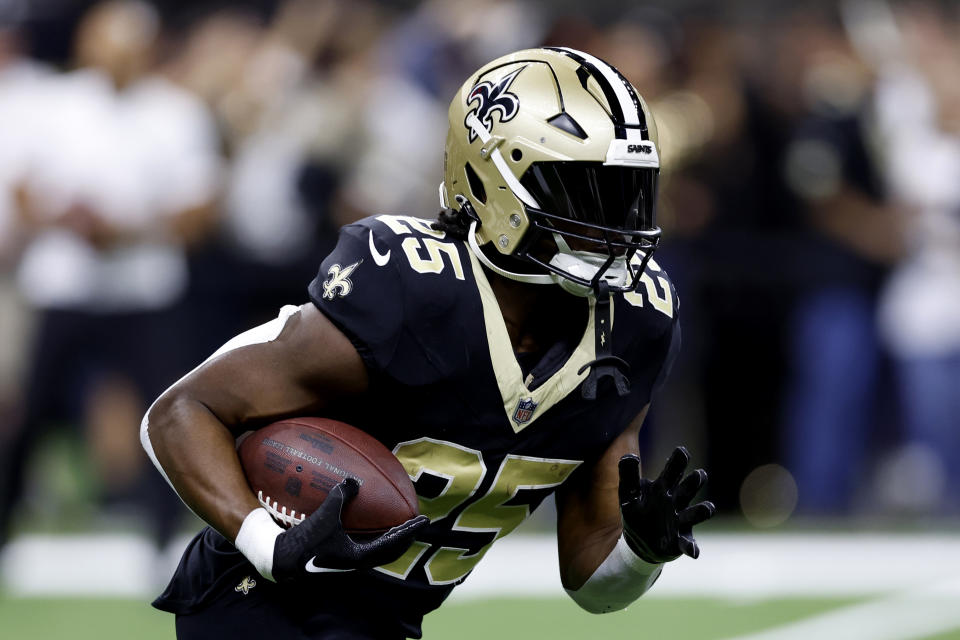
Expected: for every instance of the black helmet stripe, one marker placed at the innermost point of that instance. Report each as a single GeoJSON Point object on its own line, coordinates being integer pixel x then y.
{"type": "Point", "coordinates": [641, 116]}
{"type": "Point", "coordinates": [621, 110]}
{"type": "Point", "coordinates": [605, 86]}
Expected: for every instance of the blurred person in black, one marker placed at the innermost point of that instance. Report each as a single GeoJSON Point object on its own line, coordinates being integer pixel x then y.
{"type": "Point", "coordinates": [118, 174]}
{"type": "Point", "coordinates": [831, 418]}
{"type": "Point", "coordinates": [763, 258]}
{"type": "Point", "coordinates": [750, 248]}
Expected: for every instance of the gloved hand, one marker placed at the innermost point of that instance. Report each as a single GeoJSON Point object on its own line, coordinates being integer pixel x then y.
{"type": "Point", "coordinates": [657, 519]}
{"type": "Point", "coordinates": [319, 544]}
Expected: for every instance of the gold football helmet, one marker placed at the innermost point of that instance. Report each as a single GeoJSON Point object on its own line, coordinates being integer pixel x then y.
{"type": "Point", "coordinates": [552, 159]}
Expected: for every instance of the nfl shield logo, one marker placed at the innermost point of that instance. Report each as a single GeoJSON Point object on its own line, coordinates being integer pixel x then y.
{"type": "Point", "coordinates": [524, 412]}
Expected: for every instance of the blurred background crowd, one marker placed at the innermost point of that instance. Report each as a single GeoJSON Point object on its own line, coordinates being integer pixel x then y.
{"type": "Point", "coordinates": [172, 172]}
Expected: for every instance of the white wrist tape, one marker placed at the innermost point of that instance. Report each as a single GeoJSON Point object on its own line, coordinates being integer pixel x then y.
{"type": "Point", "coordinates": [256, 539]}
{"type": "Point", "coordinates": [618, 581]}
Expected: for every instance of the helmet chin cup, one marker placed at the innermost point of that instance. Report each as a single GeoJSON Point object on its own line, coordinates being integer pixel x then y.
{"type": "Point", "coordinates": [585, 265]}
{"type": "Point", "coordinates": [573, 288]}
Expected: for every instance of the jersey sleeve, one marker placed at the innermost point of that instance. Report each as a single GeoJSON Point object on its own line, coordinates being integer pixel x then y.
{"type": "Point", "coordinates": [673, 350]}
{"type": "Point", "coordinates": [398, 290]}
{"type": "Point", "coordinates": [650, 318]}
{"type": "Point", "coordinates": [363, 299]}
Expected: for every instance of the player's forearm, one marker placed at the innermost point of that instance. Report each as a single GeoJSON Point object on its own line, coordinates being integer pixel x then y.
{"type": "Point", "coordinates": [583, 552]}
{"type": "Point", "coordinates": [597, 568]}
{"type": "Point", "coordinates": [588, 522]}
{"type": "Point", "coordinates": [197, 453]}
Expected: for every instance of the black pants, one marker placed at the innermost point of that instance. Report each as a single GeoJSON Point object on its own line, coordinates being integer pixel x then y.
{"type": "Point", "coordinates": [72, 351]}
{"type": "Point", "coordinates": [262, 612]}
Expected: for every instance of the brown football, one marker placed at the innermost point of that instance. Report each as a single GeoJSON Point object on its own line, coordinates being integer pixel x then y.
{"type": "Point", "coordinates": [293, 464]}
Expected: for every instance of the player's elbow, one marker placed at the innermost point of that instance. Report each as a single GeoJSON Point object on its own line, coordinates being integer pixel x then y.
{"type": "Point", "coordinates": [598, 603]}
{"type": "Point", "coordinates": [156, 421]}
{"type": "Point", "coordinates": [619, 581]}
{"type": "Point", "coordinates": [157, 425]}
{"type": "Point", "coordinates": [145, 434]}
{"type": "Point", "coordinates": [161, 425]}
{"type": "Point", "coordinates": [591, 606]}
{"type": "Point", "coordinates": [148, 429]}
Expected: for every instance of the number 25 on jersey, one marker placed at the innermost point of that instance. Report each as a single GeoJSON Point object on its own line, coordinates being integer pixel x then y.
{"type": "Point", "coordinates": [463, 470]}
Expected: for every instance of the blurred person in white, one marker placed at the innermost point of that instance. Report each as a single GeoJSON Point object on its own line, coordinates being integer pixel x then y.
{"type": "Point", "coordinates": [918, 115]}
{"type": "Point", "coordinates": [118, 175]}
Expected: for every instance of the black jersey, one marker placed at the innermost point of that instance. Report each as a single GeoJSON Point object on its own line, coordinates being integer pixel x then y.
{"type": "Point", "coordinates": [484, 436]}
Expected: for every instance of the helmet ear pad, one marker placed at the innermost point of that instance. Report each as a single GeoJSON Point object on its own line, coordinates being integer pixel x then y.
{"type": "Point", "coordinates": [503, 220]}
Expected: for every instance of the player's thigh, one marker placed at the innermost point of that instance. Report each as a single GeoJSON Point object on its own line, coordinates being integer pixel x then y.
{"type": "Point", "coordinates": [249, 617]}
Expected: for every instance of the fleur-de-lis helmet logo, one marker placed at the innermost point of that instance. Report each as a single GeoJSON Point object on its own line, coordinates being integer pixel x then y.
{"type": "Point", "coordinates": [492, 98]}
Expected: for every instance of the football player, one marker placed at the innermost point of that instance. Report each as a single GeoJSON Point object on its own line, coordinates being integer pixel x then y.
{"type": "Point", "coordinates": [506, 351]}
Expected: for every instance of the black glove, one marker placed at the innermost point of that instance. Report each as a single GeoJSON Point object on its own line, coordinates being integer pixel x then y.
{"type": "Point", "coordinates": [319, 543]}
{"type": "Point", "coordinates": [657, 519]}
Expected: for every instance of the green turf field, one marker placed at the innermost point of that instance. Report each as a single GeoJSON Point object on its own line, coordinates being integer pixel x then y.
{"type": "Point", "coordinates": [560, 619]}
{"type": "Point", "coordinates": [528, 619]}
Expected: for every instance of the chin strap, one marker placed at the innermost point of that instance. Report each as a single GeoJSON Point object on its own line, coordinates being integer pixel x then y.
{"type": "Point", "coordinates": [529, 278]}
{"type": "Point", "coordinates": [606, 365]}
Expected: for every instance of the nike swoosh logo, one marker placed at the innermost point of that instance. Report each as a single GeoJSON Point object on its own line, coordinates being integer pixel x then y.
{"type": "Point", "coordinates": [312, 568]}
{"type": "Point", "coordinates": [380, 259]}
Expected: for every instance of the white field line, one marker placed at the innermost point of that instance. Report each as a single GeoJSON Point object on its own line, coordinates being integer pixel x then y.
{"type": "Point", "coordinates": [731, 566]}
{"type": "Point", "coordinates": [87, 565]}
{"type": "Point", "coordinates": [907, 616]}
{"type": "Point", "coordinates": [744, 567]}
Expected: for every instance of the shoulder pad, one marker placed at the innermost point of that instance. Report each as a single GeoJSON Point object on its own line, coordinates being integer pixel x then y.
{"type": "Point", "coordinates": [416, 247]}
{"type": "Point", "coordinates": [388, 282]}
